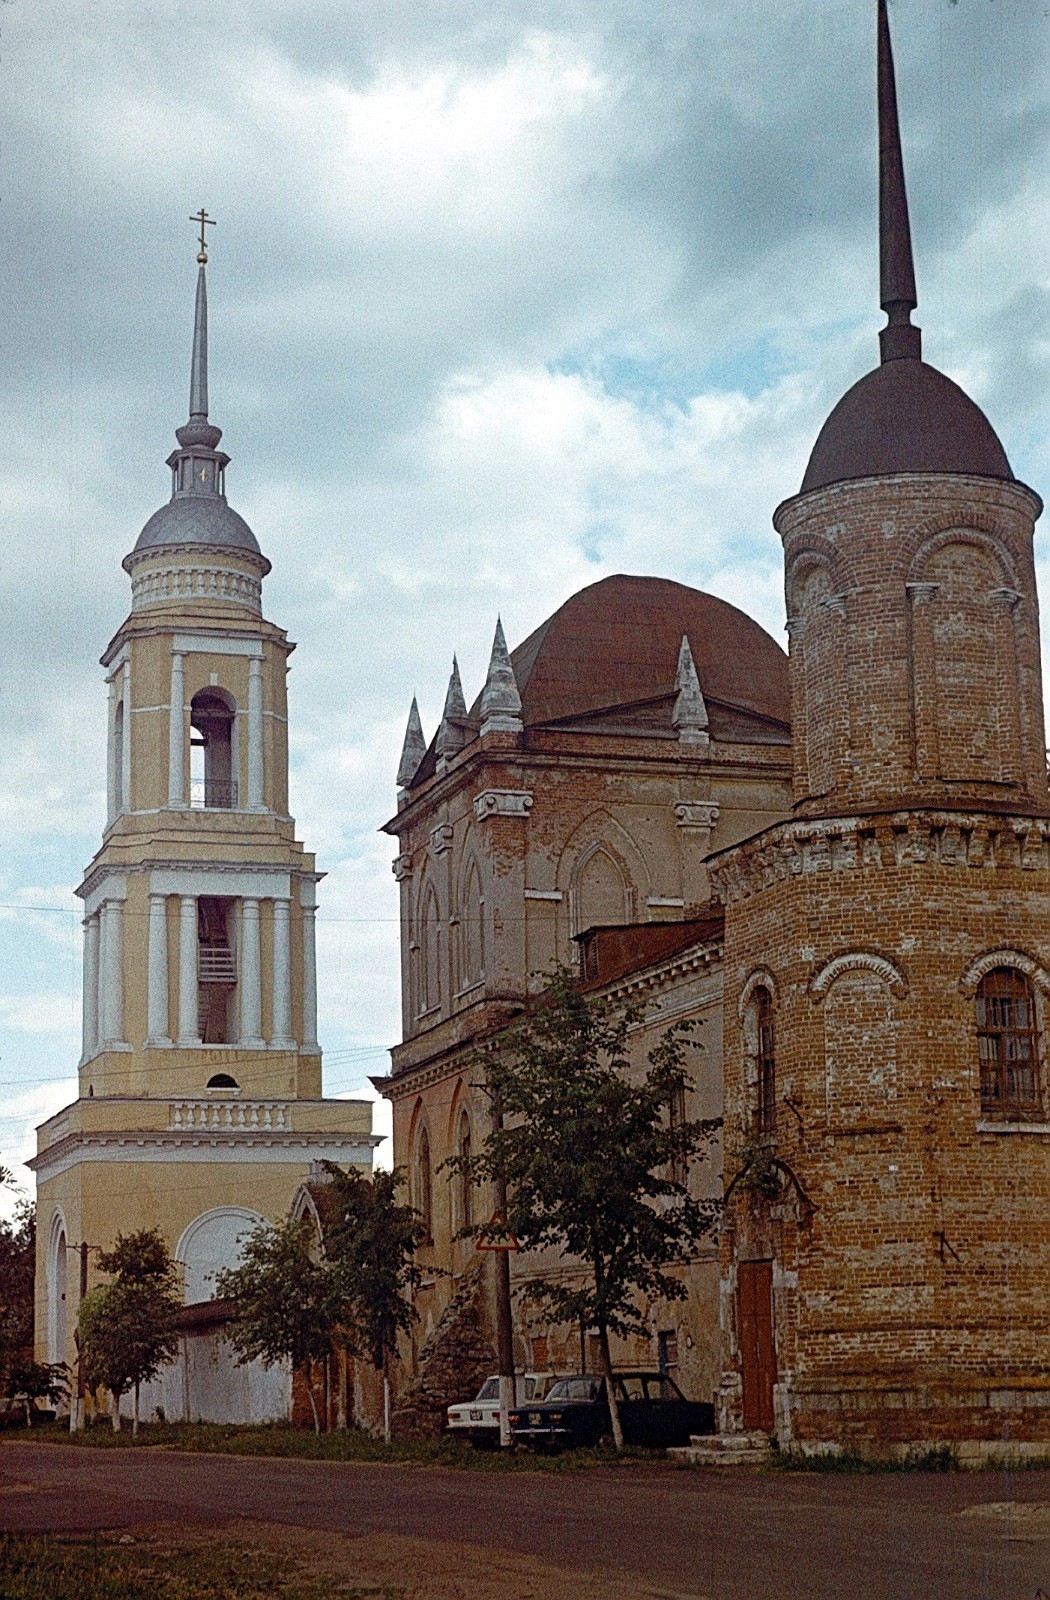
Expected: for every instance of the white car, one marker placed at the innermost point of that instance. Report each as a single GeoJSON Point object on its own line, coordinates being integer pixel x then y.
{"type": "Point", "coordinates": [479, 1418]}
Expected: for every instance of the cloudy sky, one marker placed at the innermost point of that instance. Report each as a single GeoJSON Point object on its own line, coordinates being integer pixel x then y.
{"type": "Point", "coordinates": [505, 297]}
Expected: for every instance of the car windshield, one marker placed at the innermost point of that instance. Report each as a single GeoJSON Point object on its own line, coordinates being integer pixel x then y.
{"type": "Point", "coordinates": [583, 1388]}
{"type": "Point", "coordinates": [489, 1389]}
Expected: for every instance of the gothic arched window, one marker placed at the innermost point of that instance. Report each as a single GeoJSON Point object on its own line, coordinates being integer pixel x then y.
{"type": "Point", "coordinates": [472, 941]}
{"type": "Point", "coordinates": [601, 892]}
{"type": "Point", "coordinates": [424, 1196]}
{"type": "Point", "coordinates": [765, 1060]}
{"type": "Point", "coordinates": [430, 953]}
{"type": "Point", "coordinates": [1007, 1041]}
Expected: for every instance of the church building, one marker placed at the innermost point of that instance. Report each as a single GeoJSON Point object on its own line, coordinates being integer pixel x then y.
{"type": "Point", "coordinates": [200, 1109]}
{"type": "Point", "coordinates": [838, 863]}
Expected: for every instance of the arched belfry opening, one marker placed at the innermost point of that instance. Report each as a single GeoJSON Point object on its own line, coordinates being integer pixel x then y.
{"type": "Point", "coordinates": [212, 720]}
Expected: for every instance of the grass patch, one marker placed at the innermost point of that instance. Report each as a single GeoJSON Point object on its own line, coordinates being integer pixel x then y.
{"type": "Point", "coordinates": [275, 1439]}
{"type": "Point", "coordinates": [46, 1567]}
{"type": "Point", "coordinates": [940, 1459]}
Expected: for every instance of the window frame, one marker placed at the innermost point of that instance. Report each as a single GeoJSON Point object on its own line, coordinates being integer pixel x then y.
{"type": "Point", "coordinates": [764, 1120]}
{"type": "Point", "coordinates": [1004, 1106]}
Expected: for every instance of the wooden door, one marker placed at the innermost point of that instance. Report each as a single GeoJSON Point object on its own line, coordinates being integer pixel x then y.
{"type": "Point", "coordinates": [757, 1354]}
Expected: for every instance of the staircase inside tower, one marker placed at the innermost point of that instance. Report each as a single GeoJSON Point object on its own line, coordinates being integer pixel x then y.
{"type": "Point", "coordinates": [216, 969]}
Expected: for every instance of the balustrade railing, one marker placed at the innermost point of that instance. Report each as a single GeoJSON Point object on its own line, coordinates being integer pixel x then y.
{"type": "Point", "coordinates": [213, 794]}
{"type": "Point", "coordinates": [231, 1115]}
{"type": "Point", "coordinates": [216, 964]}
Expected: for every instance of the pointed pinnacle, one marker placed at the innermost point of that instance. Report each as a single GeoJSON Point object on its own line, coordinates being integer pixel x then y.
{"type": "Point", "coordinates": [455, 705]}
{"type": "Point", "coordinates": [500, 700]}
{"type": "Point", "coordinates": [899, 339]}
{"type": "Point", "coordinates": [198, 430]}
{"type": "Point", "coordinates": [413, 750]}
{"type": "Point", "coordinates": [690, 713]}
{"type": "Point", "coordinates": [449, 738]}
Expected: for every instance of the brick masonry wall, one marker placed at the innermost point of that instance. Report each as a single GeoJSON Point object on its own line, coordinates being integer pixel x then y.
{"type": "Point", "coordinates": [914, 628]}
{"type": "Point", "coordinates": [911, 1302]}
{"type": "Point", "coordinates": [909, 1235]}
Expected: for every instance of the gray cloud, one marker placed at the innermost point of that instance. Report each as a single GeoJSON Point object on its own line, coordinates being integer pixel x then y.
{"type": "Point", "coordinates": [502, 300]}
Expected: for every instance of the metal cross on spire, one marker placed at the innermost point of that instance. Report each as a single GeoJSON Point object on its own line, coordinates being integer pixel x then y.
{"type": "Point", "coordinates": [205, 222]}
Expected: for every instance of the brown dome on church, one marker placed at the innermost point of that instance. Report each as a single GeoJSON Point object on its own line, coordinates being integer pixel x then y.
{"type": "Point", "coordinates": [616, 643]}
{"type": "Point", "coordinates": [904, 417]}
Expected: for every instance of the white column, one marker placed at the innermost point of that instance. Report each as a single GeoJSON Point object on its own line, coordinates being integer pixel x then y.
{"type": "Point", "coordinates": [90, 1006]}
{"type": "Point", "coordinates": [111, 753]}
{"type": "Point", "coordinates": [177, 734]}
{"type": "Point", "coordinates": [125, 748]}
{"type": "Point", "coordinates": [255, 735]}
{"type": "Point", "coordinates": [189, 1031]}
{"type": "Point", "coordinates": [309, 1041]}
{"type": "Point", "coordinates": [282, 975]}
{"type": "Point", "coordinates": [250, 975]}
{"type": "Point", "coordinates": [157, 986]}
{"type": "Point", "coordinates": [111, 973]}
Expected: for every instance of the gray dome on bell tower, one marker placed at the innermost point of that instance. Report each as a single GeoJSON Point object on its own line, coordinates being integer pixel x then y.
{"type": "Point", "coordinates": [198, 517]}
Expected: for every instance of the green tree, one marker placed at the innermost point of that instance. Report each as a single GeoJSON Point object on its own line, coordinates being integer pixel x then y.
{"type": "Point", "coordinates": [127, 1327]}
{"type": "Point", "coordinates": [370, 1242]}
{"type": "Point", "coordinates": [17, 1267]}
{"type": "Point", "coordinates": [29, 1381]}
{"type": "Point", "coordinates": [285, 1305]}
{"type": "Point", "coordinates": [596, 1162]}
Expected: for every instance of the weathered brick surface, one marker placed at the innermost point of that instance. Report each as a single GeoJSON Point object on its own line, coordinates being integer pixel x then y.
{"type": "Point", "coordinates": [911, 1237]}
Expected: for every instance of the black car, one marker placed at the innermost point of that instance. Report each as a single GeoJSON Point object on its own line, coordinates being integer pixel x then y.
{"type": "Point", "coordinates": [653, 1412]}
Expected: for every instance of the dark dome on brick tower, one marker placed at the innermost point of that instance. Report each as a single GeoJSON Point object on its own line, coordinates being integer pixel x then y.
{"type": "Point", "coordinates": [909, 578]}
{"type": "Point", "coordinates": [905, 416]}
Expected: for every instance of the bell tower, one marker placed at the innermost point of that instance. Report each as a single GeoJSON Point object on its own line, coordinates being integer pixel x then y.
{"type": "Point", "coordinates": [200, 1070]}
{"type": "Point", "coordinates": [885, 1249]}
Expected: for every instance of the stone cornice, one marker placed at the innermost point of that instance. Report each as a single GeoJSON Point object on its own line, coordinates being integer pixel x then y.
{"type": "Point", "coordinates": [698, 958]}
{"type": "Point", "coordinates": [979, 840]}
{"type": "Point", "coordinates": [736, 759]}
{"type": "Point", "coordinates": [172, 1144]}
{"type": "Point", "coordinates": [169, 864]}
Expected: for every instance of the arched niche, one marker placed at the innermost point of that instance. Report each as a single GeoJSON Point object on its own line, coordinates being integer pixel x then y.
{"type": "Point", "coordinates": [966, 700]}
{"type": "Point", "coordinates": [57, 1285]}
{"type": "Point", "coordinates": [213, 1242]}
{"type": "Point", "coordinates": [471, 904]}
{"type": "Point", "coordinates": [859, 992]}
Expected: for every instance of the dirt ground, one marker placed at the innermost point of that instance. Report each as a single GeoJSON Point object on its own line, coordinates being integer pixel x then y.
{"type": "Point", "coordinates": [417, 1569]}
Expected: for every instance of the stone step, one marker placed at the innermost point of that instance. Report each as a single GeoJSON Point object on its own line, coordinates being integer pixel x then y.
{"type": "Point", "coordinates": [725, 1450]}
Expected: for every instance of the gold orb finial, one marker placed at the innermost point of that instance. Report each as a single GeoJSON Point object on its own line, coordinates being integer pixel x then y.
{"type": "Point", "coordinates": [205, 221]}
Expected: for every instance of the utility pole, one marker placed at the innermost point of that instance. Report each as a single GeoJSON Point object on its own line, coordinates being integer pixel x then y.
{"type": "Point", "coordinates": [76, 1409]}
{"type": "Point", "coordinates": [504, 1325]}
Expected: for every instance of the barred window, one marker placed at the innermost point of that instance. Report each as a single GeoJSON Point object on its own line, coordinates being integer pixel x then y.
{"type": "Point", "coordinates": [1006, 1037]}
{"type": "Point", "coordinates": [766, 1102]}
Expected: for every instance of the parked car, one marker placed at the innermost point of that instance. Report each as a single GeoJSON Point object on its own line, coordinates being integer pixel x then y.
{"type": "Point", "coordinates": [479, 1418]}
{"type": "Point", "coordinates": [653, 1412]}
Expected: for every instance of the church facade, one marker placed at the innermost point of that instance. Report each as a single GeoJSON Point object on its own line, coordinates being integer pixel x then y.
{"type": "Point", "coordinates": [839, 866]}
{"type": "Point", "coordinates": [200, 1109]}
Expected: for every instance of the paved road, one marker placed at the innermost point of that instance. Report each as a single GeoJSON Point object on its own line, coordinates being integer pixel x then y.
{"type": "Point", "coordinates": [725, 1536]}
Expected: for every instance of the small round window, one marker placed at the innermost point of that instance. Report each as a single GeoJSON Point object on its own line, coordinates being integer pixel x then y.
{"type": "Point", "coordinates": [222, 1080]}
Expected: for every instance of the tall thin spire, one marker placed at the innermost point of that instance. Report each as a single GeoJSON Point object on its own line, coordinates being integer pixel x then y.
{"type": "Point", "coordinates": [199, 362]}
{"type": "Point", "coordinates": [198, 430]}
{"type": "Point", "coordinates": [898, 340]}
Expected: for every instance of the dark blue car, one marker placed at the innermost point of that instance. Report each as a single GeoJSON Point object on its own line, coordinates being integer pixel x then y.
{"type": "Point", "coordinates": [653, 1413]}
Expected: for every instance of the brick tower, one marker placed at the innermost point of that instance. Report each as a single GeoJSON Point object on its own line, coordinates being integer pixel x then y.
{"type": "Point", "coordinates": [886, 1253]}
